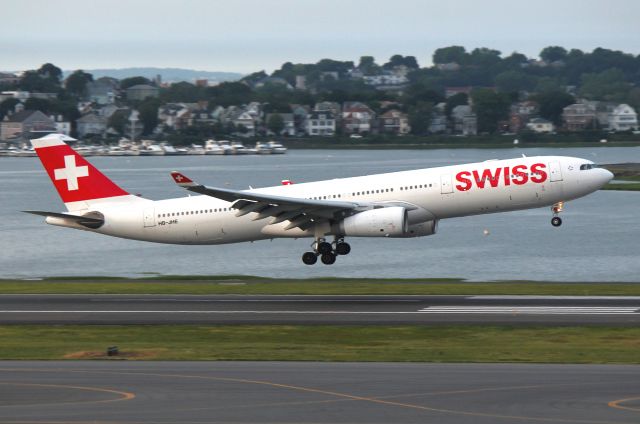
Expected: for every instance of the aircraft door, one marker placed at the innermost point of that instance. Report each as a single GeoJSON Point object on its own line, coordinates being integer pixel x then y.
{"type": "Point", "coordinates": [149, 217]}
{"type": "Point", "coordinates": [445, 184]}
{"type": "Point", "coordinates": [555, 171]}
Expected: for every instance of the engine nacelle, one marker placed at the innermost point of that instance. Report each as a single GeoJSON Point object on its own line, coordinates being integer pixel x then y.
{"type": "Point", "coordinates": [382, 222]}
{"type": "Point", "coordinates": [422, 229]}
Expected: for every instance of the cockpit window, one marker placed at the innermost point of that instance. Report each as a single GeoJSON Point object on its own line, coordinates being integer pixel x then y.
{"type": "Point", "coordinates": [586, 166]}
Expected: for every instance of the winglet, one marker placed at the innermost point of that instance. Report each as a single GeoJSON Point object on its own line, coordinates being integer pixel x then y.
{"type": "Point", "coordinates": [182, 180]}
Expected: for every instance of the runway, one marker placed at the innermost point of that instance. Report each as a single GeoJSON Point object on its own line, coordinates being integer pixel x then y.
{"type": "Point", "coordinates": [294, 392]}
{"type": "Point", "coordinates": [356, 310]}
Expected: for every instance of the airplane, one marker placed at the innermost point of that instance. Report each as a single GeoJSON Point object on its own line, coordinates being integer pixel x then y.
{"type": "Point", "coordinates": [398, 204]}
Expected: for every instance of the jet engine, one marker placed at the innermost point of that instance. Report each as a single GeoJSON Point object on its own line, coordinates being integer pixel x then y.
{"type": "Point", "coordinates": [382, 222]}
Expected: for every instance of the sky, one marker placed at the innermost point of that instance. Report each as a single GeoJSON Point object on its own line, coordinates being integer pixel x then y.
{"type": "Point", "coordinates": [251, 35]}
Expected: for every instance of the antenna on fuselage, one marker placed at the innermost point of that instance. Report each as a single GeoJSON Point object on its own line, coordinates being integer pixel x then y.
{"type": "Point", "coordinates": [524, 156]}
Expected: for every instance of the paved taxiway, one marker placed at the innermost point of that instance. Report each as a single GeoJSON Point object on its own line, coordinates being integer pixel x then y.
{"type": "Point", "coordinates": [293, 392]}
{"type": "Point", "coordinates": [186, 309]}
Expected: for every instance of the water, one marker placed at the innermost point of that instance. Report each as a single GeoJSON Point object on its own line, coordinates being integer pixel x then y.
{"type": "Point", "coordinates": [598, 241]}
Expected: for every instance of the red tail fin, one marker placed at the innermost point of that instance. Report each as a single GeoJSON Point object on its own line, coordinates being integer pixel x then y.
{"type": "Point", "coordinates": [75, 179]}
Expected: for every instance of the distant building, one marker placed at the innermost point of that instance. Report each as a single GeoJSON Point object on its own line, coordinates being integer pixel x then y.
{"type": "Point", "coordinates": [357, 118]}
{"type": "Point", "coordinates": [465, 122]}
{"type": "Point", "coordinates": [394, 122]}
{"type": "Point", "coordinates": [438, 123]}
{"type": "Point", "coordinates": [91, 124]}
{"type": "Point", "coordinates": [102, 91]}
{"type": "Point", "coordinates": [579, 116]}
{"type": "Point", "coordinates": [62, 126]}
{"type": "Point", "coordinates": [25, 125]}
{"type": "Point", "coordinates": [321, 123]}
{"type": "Point", "coordinates": [540, 125]}
{"type": "Point", "coordinates": [245, 120]}
{"type": "Point", "coordinates": [141, 92]}
{"type": "Point", "coordinates": [289, 123]}
{"type": "Point", "coordinates": [623, 118]}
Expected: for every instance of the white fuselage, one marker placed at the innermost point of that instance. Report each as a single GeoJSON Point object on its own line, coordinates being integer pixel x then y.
{"type": "Point", "coordinates": [434, 194]}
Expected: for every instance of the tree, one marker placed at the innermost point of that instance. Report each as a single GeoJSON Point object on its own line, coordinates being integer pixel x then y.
{"type": "Point", "coordinates": [148, 110]}
{"type": "Point", "coordinates": [610, 85]}
{"type": "Point", "coordinates": [490, 108]}
{"type": "Point", "coordinates": [552, 104]}
{"type": "Point", "coordinates": [8, 106]}
{"type": "Point", "coordinates": [399, 60]}
{"type": "Point", "coordinates": [118, 121]}
{"type": "Point", "coordinates": [42, 105]}
{"type": "Point", "coordinates": [183, 92]}
{"type": "Point", "coordinates": [77, 82]}
{"type": "Point", "coordinates": [458, 99]}
{"type": "Point", "coordinates": [456, 54]}
{"type": "Point", "coordinates": [484, 57]}
{"type": "Point", "coordinates": [130, 82]}
{"type": "Point", "coordinates": [275, 123]}
{"type": "Point", "coordinates": [553, 54]}
{"type": "Point", "coordinates": [50, 71]}
{"type": "Point", "coordinates": [420, 118]}
{"type": "Point", "coordinates": [514, 81]}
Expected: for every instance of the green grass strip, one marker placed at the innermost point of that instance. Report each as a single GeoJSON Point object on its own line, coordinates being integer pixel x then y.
{"type": "Point", "coordinates": [622, 186]}
{"type": "Point", "coordinates": [326, 343]}
{"type": "Point", "coordinates": [203, 285]}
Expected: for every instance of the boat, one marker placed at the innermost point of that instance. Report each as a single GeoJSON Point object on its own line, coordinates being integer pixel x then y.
{"type": "Point", "coordinates": [213, 148]}
{"type": "Point", "coordinates": [262, 148]}
{"type": "Point", "coordinates": [169, 150]}
{"type": "Point", "coordinates": [239, 149]}
{"type": "Point", "coordinates": [226, 146]}
{"type": "Point", "coordinates": [196, 149]}
{"type": "Point", "coordinates": [277, 148]}
{"type": "Point", "coordinates": [152, 150]}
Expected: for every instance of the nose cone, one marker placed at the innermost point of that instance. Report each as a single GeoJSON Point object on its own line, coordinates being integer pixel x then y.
{"type": "Point", "coordinates": [604, 176]}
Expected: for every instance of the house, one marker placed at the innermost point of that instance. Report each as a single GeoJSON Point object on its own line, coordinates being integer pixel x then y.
{"type": "Point", "coordinates": [540, 125]}
{"type": "Point", "coordinates": [91, 124]}
{"type": "Point", "coordinates": [300, 114]}
{"type": "Point", "coordinates": [26, 124]}
{"type": "Point", "coordinates": [394, 122]}
{"type": "Point", "coordinates": [623, 118]}
{"type": "Point", "coordinates": [321, 123]}
{"type": "Point", "coordinates": [245, 124]}
{"type": "Point", "coordinates": [388, 81]}
{"type": "Point", "coordinates": [357, 118]}
{"type": "Point", "coordinates": [520, 114]}
{"type": "Point", "coordinates": [142, 91]}
{"type": "Point", "coordinates": [102, 91]}
{"type": "Point", "coordinates": [175, 116]}
{"type": "Point", "coordinates": [465, 121]}
{"type": "Point", "coordinates": [579, 116]}
{"type": "Point", "coordinates": [438, 124]}
{"type": "Point", "coordinates": [289, 123]}
{"type": "Point", "coordinates": [62, 126]}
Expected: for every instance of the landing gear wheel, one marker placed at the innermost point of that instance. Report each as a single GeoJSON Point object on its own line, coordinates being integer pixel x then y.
{"type": "Point", "coordinates": [309, 258]}
{"type": "Point", "coordinates": [556, 221]}
{"type": "Point", "coordinates": [328, 258]}
{"type": "Point", "coordinates": [324, 247]}
{"type": "Point", "coordinates": [343, 248]}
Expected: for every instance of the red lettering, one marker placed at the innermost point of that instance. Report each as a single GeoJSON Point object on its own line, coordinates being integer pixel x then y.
{"type": "Point", "coordinates": [507, 176]}
{"type": "Point", "coordinates": [520, 177]}
{"type": "Point", "coordinates": [464, 178]}
{"type": "Point", "coordinates": [487, 175]}
{"type": "Point", "coordinates": [538, 175]}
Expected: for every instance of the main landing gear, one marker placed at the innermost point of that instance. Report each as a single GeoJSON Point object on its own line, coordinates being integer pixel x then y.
{"type": "Point", "coordinates": [328, 252]}
{"type": "Point", "coordinates": [556, 221]}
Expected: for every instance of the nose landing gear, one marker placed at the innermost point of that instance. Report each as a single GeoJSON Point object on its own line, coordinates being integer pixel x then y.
{"type": "Point", "coordinates": [328, 252]}
{"type": "Point", "coordinates": [556, 221]}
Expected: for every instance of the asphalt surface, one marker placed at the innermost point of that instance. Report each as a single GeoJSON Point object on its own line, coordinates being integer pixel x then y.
{"type": "Point", "coordinates": [185, 309]}
{"type": "Point", "coordinates": [293, 392]}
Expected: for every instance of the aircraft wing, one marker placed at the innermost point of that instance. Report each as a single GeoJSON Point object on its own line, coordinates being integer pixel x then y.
{"type": "Point", "coordinates": [301, 213]}
{"type": "Point", "coordinates": [90, 222]}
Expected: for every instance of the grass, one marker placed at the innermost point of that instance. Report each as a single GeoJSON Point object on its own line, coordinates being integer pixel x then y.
{"type": "Point", "coordinates": [326, 343]}
{"type": "Point", "coordinates": [622, 187]}
{"type": "Point", "coordinates": [249, 285]}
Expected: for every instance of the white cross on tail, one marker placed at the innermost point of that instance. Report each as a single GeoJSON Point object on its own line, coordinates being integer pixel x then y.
{"type": "Point", "coordinates": [71, 172]}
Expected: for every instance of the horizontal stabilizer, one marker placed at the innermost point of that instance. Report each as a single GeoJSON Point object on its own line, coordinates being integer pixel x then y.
{"type": "Point", "coordinates": [86, 221]}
